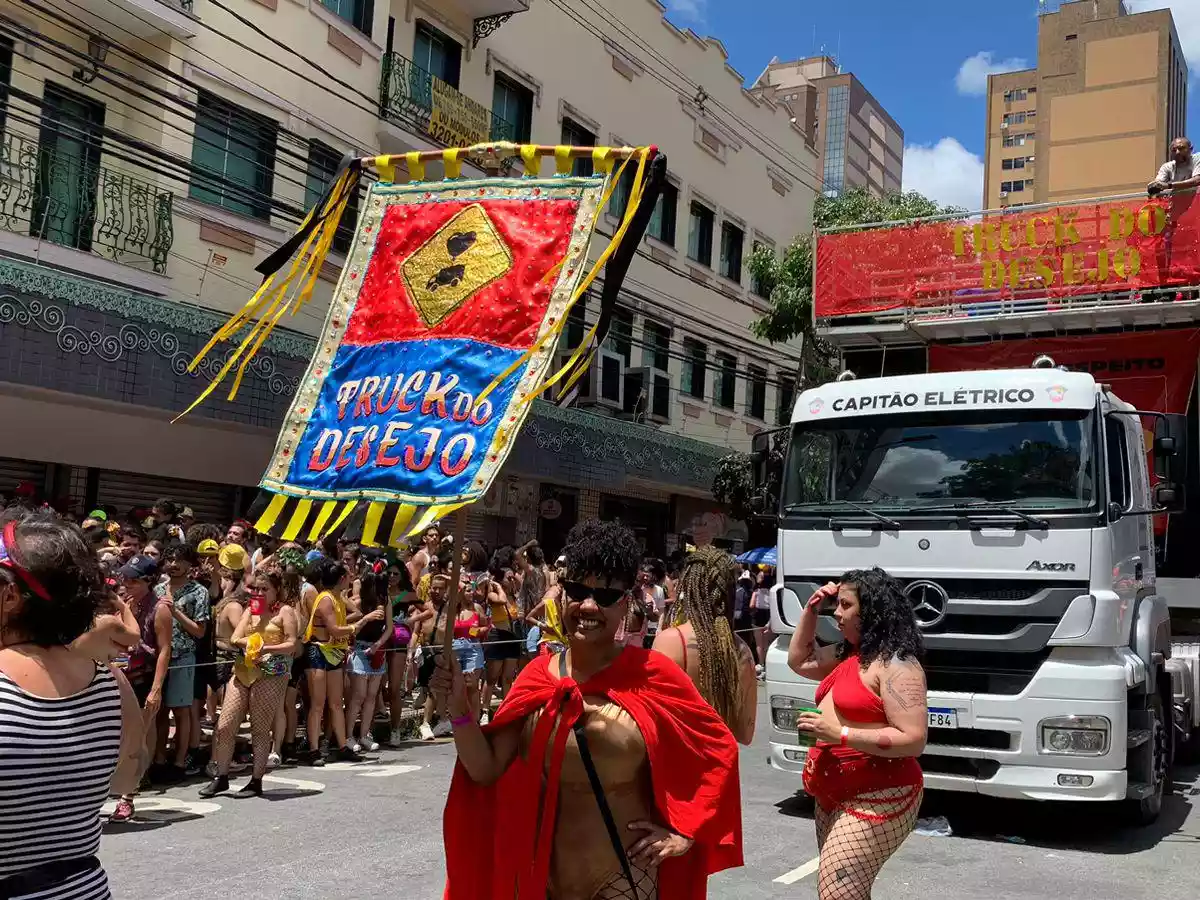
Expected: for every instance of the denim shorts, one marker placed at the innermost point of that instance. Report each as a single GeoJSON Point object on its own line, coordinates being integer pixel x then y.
{"type": "Point", "coordinates": [360, 660]}
{"type": "Point", "coordinates": [469, 653]}
{"type": "Point", "coordinates": [181, 682]}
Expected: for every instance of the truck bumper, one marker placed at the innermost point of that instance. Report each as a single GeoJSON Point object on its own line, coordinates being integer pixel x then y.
{"type": "Point", "coordinates": [1034, 783]}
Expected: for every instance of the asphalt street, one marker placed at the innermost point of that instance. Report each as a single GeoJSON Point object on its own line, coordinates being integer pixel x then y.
{"type": "Point", "coordinates": [351, 830]}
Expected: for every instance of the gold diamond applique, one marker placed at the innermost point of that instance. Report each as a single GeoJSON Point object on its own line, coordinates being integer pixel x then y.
{"type": "Point", "coordinates": [463, 257]}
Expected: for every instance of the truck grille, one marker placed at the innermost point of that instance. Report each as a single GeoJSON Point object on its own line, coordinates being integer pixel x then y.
{"type": "Point", "coordinates": [980, 672]}
{"type": "Point", "coordinates": [980, 769]}
{"type": "Point", "coordinates": [972, 738]}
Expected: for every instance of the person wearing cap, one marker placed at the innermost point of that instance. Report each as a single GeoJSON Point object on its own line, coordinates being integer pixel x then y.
{"type": "Point", "coordinates": [205, 682]}
{"type": "Point", "coordinates": [95, 517]}
{"type": "Point", "coordinates": [149, 661]}
{"type": "Point", "coordinates": [187, 518]}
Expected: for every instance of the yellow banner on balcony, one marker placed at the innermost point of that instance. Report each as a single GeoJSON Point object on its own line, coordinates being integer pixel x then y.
{"type": "Point", "coordinates": [457, 120]}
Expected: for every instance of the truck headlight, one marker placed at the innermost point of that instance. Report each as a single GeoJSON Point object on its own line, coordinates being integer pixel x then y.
{"type": "Point", "coordinates": [1074, 735]}
{"type": "Point", "coordinates": [784, 711]}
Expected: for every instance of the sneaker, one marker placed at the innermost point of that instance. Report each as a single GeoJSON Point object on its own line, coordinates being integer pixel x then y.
{"type": "Point", "coordinates": [346, 754]}
{"type": "Point", "coordinates": [218, 785]}
{"type": "Point", "coordinates": [252, 788]}
{"type": "Point", "coordinates": [123, 812]}
{"type": "Point", "coordinates": [443, 729]}
{"type": "Point", "coordinates": [369, 745]}
{"type": "Point", "coordinates": [191, 765]}
{"type": "Point", "coordinates": [484, 719]}
{"type": "Point", "coordinates": [397, 737]}
{"type": "Point", "coordinates": [310, 758]}
{"type": "Point", "coordinates": [354, 746]}
{"type": "Point", "coordinates": [274, 761]}
{"type": "Point", "coordinates": [426, 732]}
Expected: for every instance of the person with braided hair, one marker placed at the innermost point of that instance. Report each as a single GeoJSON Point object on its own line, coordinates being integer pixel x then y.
{"type": "Point", "coordinates": [703, 645]}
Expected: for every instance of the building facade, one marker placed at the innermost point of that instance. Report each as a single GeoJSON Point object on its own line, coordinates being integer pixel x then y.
{"type": "Point", "coordinates": [154, 151]}
{"type": "Point", "coordinates": [858, 143]}
{"type": "Point", "coordinates": [1096, 116]}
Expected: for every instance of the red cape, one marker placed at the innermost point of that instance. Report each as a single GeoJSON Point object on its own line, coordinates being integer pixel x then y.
{"type": "Point", "coordinates": [693, 766]}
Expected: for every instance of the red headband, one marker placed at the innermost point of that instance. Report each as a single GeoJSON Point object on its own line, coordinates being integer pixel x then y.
{"type": "Point", "coordinates": [9, 559]}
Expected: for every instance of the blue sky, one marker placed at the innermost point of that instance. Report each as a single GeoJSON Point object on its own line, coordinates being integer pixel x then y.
{"type": "Point", "coordinates": [926, 62]}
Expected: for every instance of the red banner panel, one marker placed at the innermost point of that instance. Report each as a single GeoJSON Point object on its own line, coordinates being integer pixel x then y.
{"type": "Point", "coordinates": [1153, 370]}
{"type": "Point", "coordinates": [1065, 251]}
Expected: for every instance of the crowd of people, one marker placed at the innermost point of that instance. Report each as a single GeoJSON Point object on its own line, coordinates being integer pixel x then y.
{"type": "Point", "coordinates": [138, 638]}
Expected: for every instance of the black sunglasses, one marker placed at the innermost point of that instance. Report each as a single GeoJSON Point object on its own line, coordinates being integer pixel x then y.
{"type": "Point", "coordinates": [604, 596]}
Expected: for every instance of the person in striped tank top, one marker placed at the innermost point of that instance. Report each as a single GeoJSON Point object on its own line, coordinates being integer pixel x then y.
{"type": "Point", "coordinates": [65, 719]}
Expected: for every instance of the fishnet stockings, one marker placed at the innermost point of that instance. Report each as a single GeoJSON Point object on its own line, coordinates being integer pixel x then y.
{"type": "Point", "coordinates": [854, 849]}
{"type": "Point", "coordinates": [645, 885]}
{"type": "Point", "coordinates": [263, 699]}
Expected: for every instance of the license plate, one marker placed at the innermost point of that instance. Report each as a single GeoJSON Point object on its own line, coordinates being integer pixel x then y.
{"type": "Point", "coordinates": [943, 718]}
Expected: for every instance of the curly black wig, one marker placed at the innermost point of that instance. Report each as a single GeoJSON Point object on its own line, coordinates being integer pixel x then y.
{"type": "Point", "coordinates": [606, 549]}
{"type": "Point", "coordinates": [888, 627]}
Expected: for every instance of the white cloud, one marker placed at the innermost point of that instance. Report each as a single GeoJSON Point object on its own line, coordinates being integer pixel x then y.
{"type": "Point", "coordinates": [692, 10]}
{"type": "Point", "coordinates": [946, 172]}
{"type": "Point", "coordinates": [1187, 22]}
{"type": "Point", "coordinates": [973, 73]}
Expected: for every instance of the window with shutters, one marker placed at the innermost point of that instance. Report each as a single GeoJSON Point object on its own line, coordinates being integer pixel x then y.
{"type": "Point", "coordinates": [700, 233]}
{"type": "Point", "coordinates": [359, 13]}
{"type": "Point", "coordinates": [575, 135]}
{"type": "Point", "coordinates": [726, 386]}
{"type": "Point", "coordinates": [437, 53]}
{"type": "Point", "coordinates": [233, 157]}
{"type": "Point", "coordinates": [756, 393]}
{"type": "Point", "coordinates": [695, 368]}
{"type": "Point", "coordinates": [322, 164]}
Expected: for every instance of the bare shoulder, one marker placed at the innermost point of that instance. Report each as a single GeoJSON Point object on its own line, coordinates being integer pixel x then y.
{"type": "Point", "coordinates": [902, 681]}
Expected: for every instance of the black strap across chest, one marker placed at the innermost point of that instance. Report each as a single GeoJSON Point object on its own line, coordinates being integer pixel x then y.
{"type": "Point", "coordinates": [585, 754]}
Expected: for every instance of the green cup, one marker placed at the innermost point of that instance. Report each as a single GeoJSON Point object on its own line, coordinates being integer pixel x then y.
{"type": "Point", "coordinates": [807, 738]}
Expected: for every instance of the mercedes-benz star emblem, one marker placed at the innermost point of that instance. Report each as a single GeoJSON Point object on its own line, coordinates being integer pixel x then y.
{"type": "Point", "coordinates": [929, 602]}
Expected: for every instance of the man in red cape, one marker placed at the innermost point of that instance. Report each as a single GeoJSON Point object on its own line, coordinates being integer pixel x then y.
{"type": "Point", "coordinates": [694, 771]}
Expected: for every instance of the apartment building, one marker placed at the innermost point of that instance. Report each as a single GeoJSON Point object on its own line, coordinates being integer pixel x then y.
{"type": "Point", "coordinates": [1098, 113]}
{"type": "Point", "coordinates": [154, 151]}
{"type": "Point", "coordinates": [859, 144]}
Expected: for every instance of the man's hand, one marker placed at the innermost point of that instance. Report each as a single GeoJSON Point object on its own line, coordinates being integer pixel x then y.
{"type": "Point", "coordinates": [448, 681]}
{"type": "Point", "coordinates": [107, 639]}
{"type": "Point", "coordinates": [1155, 187]}
{"type": "Point", "coordinates": [659, 843]}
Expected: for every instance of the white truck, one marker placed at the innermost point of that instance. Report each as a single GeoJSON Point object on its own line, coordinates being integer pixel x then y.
{"type": "Point", "coordinates": [1016, 506]}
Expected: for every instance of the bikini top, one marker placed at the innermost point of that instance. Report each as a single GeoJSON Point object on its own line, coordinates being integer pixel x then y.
{"type": "Point", "coordinates": [855, 701]}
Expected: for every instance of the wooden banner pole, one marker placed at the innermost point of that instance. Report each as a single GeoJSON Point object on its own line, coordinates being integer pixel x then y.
{"type": "Point", "coordinates": [453, 599]}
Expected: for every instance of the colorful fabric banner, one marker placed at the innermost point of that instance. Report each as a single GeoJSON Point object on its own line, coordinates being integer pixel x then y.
{"type": "Point", "coordinates": [1070, 250]}
{"type": "Point", "coordinates": [447, 286]}
{"type": "Point", "coordinates": [441, 332]}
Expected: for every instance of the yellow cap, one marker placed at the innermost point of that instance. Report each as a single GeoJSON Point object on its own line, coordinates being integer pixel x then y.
{"type": "Point", "coordinates": [232, 556]}
{"type": "Point", "coordinates": [208, 547]}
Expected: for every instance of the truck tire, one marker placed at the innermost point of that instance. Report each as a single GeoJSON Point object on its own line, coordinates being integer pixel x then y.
{"type": "Point", "coordinates": [1150, 764]}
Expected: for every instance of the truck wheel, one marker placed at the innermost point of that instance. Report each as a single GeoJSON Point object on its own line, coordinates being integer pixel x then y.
{"type": "Point", "coordinates": [1150, 766]}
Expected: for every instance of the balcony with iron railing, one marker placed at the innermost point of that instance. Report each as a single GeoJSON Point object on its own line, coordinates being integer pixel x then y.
{"type": "Point", "coordinates": [67, 198]}
{"type": "Point", "coordinates": [414, 98]}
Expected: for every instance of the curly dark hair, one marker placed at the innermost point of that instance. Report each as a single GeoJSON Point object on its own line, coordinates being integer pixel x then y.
{"type": "Point", "coordinates": [326, 573]}
{"type": "Point", "coordinates": [56, 554]}
{"type": "Point", "coordinates": [475, 558]}
{"type": "Point", "coordinates": [889, 628]}
{"type": "Point", "coordinates": [607, 549]}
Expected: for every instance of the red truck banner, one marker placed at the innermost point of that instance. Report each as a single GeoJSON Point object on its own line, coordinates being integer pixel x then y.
{"type": "Point", "coordinates": [1065, 251]}
{"type": "Point", "coordinates": [1153, 370]}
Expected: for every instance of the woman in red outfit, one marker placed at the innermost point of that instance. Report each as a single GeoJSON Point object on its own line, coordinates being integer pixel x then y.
{"type": "Point", "coordinates": [604, 775]}
{"type": "Point", "coordinates": [862, 771]}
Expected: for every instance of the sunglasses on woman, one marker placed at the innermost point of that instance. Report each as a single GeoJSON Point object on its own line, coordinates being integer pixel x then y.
{"type": "Point", "coordinates": [604, 596]}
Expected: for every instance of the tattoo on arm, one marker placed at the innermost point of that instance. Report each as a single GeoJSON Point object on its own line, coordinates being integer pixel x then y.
{"type": "Point", "coordinates": [883, 742]}
{"type": "Point", "coordinates": [906, 689]}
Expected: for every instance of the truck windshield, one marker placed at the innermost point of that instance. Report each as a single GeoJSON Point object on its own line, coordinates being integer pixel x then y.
{"type": "Point", "coordinates": [907, 463]}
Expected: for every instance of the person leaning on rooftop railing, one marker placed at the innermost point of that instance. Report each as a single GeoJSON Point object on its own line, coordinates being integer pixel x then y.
{"type": "Point", "coordinates": [1181, 172]}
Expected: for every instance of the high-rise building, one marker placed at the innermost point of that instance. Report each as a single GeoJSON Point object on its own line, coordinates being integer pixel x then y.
{"type": "Point", "coordinates": [859, 144]}
{"type": "Point", "coordinates": [1095, 118]}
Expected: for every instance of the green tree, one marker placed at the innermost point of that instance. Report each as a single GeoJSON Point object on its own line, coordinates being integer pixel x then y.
{"type": "Point", "coordinates": [786, 281]}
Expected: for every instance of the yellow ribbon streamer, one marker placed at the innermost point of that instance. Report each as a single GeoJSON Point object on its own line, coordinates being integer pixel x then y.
{"type": "Point", "coordinates": [299, 517]}
{"type": "Point", "coordinates": [271, 514]}
{"type": "Point", "coordinates": [416, 166]}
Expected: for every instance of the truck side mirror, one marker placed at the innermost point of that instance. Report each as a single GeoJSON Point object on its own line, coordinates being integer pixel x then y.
{"type": "Point", "coordinates": [1164, 446]}
{"type": "Point", "coordinates": [1169, 448]}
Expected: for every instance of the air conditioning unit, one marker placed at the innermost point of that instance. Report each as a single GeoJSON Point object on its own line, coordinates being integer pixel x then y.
{"type": "Point", "coordinates": [604, 382]}
{"type": "Point", "coordinates": [1003, 194]}
{"type": "Point", "coordinates": [1003, 124]}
